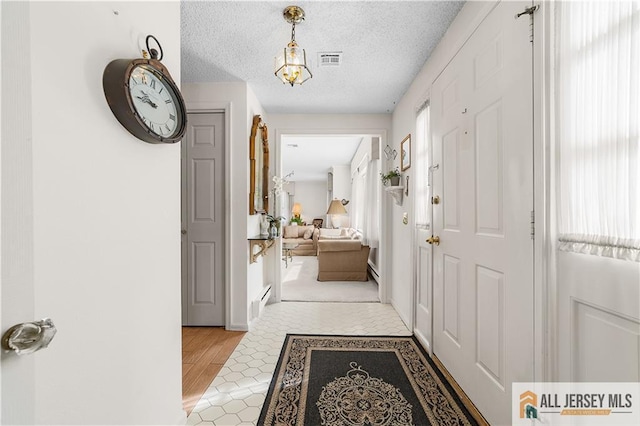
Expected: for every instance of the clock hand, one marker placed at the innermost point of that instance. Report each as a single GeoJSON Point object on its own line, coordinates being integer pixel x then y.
{"type": "Point", "coordinates": [146, 99]}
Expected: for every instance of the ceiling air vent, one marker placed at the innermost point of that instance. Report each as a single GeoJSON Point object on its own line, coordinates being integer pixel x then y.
{"type": "Point", "coordinates": [329, 59]}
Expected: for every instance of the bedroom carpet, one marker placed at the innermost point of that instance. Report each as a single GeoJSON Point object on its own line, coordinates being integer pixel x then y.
{"type": "Point", "coordinates": [299, 284]}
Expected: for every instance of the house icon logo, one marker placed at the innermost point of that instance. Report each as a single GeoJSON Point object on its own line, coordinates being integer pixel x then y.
{"type": "Point", "coordinates": [528, 405]}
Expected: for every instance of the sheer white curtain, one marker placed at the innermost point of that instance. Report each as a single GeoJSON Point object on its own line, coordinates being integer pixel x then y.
{"type": "Point", "coordinates": [360, 199]}
{"type": "Point", "coordinates": [598, 82]}
{"type": "Point", "coordinates": [372, 229]}
{"type": "Point", "coordinates": [421, 171]}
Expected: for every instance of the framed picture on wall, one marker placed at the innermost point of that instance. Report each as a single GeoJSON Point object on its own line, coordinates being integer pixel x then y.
{"type": "Point", "coordinates": [405, 153]}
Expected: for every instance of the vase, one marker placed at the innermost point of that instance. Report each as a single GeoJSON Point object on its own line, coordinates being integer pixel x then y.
{"type": "Point", "coordinates": [274, 231]}
{"type": "Point", "coordinates": [264, 226]}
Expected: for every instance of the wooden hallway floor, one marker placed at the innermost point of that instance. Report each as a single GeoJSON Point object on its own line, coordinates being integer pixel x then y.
{"type": "Point", "coordinates": [204, 352]}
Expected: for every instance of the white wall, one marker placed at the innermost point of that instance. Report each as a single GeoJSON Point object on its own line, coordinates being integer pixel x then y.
{"type": "Point", "coordinates": [240, 104]}
{"type": "Point", "coordinates": [342, 181]}
{"type": "Point", "coordinates": [106, 221]}
{"type": "Point", "coordinates": [260, 274]}
{"type": "Point", "coordinates": [312, 196]}
{"type": "Point", "coordinates": [401, 239]}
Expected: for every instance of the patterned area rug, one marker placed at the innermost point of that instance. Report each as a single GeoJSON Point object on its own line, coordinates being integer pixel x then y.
{"type": "Point", "coordinates": [355, 380]}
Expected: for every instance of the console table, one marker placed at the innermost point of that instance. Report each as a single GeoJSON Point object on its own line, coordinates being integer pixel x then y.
{"type": "Point", "coordinates": [262, 241]}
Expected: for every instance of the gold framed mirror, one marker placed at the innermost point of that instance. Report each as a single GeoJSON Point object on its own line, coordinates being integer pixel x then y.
{"type": "Point", "coordinates": [258, 167]}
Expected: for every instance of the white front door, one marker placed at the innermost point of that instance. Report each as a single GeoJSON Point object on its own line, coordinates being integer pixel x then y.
{"type": "Point", "coordinates": [203, 221]}
{"type": "Point", "coordinates": [483, 267]}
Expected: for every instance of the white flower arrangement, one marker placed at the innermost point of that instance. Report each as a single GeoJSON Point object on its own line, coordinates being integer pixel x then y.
{"type": "Point", "coordinates": [278, 183]}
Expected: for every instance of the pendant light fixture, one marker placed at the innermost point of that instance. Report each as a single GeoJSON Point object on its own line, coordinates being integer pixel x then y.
{"type": "Point", "coordinates": [291, 66]}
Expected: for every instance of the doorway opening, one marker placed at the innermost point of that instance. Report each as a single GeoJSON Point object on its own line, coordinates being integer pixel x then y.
{"type": "Point", "coordinates": [331, 210]}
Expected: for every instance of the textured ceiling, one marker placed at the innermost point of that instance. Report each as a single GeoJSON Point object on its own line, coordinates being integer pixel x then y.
{"type": "Point", "coordinates": [384, 45]}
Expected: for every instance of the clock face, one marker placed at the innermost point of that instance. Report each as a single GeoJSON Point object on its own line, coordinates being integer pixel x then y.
{"type": "Point", "coordinates": [155, 101]}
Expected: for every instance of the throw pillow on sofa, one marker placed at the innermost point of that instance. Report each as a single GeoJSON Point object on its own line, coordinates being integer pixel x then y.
{"type": "Point", "coordinates": [307, 234]}
{"type": "Point", "coordinates": [328, 232]}
{"type": "Point", "coordinates": [290, 231]}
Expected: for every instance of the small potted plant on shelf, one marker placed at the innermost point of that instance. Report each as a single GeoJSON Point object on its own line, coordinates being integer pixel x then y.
{"type": "Point", "coordinates": [392, 177]}
{"type": "Point", "coordinates": [274, 223]}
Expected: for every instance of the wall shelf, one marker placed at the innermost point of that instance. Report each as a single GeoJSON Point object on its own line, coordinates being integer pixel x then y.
{"type": "Point", "coordinates": [264, 242]}
{"type": "Point", "coordinates": [396, 192]}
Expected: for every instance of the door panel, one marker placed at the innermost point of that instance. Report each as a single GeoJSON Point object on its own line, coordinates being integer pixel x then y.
{"type": "Point", "coordinates": [451, 305]}
{"type": "Point", "coordinates": [450, 160]}
{"type": "Point", "coordinates": [489, 173]}
{"type": "Point", "coordinates": [203, 199]}
{"type": "Point", "coordinates": [598, 326]}
{"type": "Point", "coordinates": [490, 323]}
{"type": "Point", "coordinates": [203, 253]}
{"type": "Point", "coordinates": [424, 298]}
{"type": "Point", "coordinates": [603, 337]}
{"type": "Point", "coordinates": [483, 267]}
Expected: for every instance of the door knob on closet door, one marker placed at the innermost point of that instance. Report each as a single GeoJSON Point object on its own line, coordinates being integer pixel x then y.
{"type": "Point", "coordinates": [434, 240]}
{"type": "Point", "coordinates": [29, 337]}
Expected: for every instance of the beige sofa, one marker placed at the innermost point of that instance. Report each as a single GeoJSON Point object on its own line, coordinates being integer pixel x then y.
{"type": "Point", "coordinates": [342, 260]}
{"type": "Point", "coordinates": [296, 234]}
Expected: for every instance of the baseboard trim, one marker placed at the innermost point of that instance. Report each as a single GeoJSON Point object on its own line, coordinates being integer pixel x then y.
{"type": "Point", "coordinates": [238, 327]}
{"type": "Point", "coordinates": [461, 394]}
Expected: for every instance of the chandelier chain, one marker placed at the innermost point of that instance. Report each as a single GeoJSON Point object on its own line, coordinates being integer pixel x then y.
{"type": "Point", "coordinates": [293, 31]}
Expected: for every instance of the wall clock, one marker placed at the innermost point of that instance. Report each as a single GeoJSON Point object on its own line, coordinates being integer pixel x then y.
{"type": "Point", "coordinates": [144, 98]}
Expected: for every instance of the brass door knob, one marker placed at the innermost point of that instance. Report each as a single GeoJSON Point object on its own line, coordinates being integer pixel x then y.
{"type": "Point", "coordinates": [434, 240]}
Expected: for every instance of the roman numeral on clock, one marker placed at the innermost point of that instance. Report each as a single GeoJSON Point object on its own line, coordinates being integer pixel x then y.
{"type": "Point", "coordinates": [153, 84]}
{"type": "Point", "coordinates": [172, 117]}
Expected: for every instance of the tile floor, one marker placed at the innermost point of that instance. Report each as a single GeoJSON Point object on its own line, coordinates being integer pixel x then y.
{"type": "Point", "coordinates": [236, 395]}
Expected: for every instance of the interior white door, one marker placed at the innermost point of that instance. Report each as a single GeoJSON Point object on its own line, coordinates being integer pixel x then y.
{"type": "Point", "coordinates": [598, 319]}
{"type": "Point", "coordinates": [203, 221]}
{"type": "Point", "coordinates": [483, 266]}
{"type": "Point", "coordinates": [423, 321]}
{"type": "Point", "coordinates": [423, 326]}
{"type": "Point", "coordinates": [17, 283]}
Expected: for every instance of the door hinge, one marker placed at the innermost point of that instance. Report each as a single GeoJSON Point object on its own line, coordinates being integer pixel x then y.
{"type": "Point", "coordinates": [533, 225]}
{"type": "Point", "coordinates": [529, 11]}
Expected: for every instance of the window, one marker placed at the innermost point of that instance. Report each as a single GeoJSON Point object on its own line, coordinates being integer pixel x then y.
{"type": "Point", "coordinates": [598, 116]}
{"type": "Point", "coordinates": [421, 180]}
